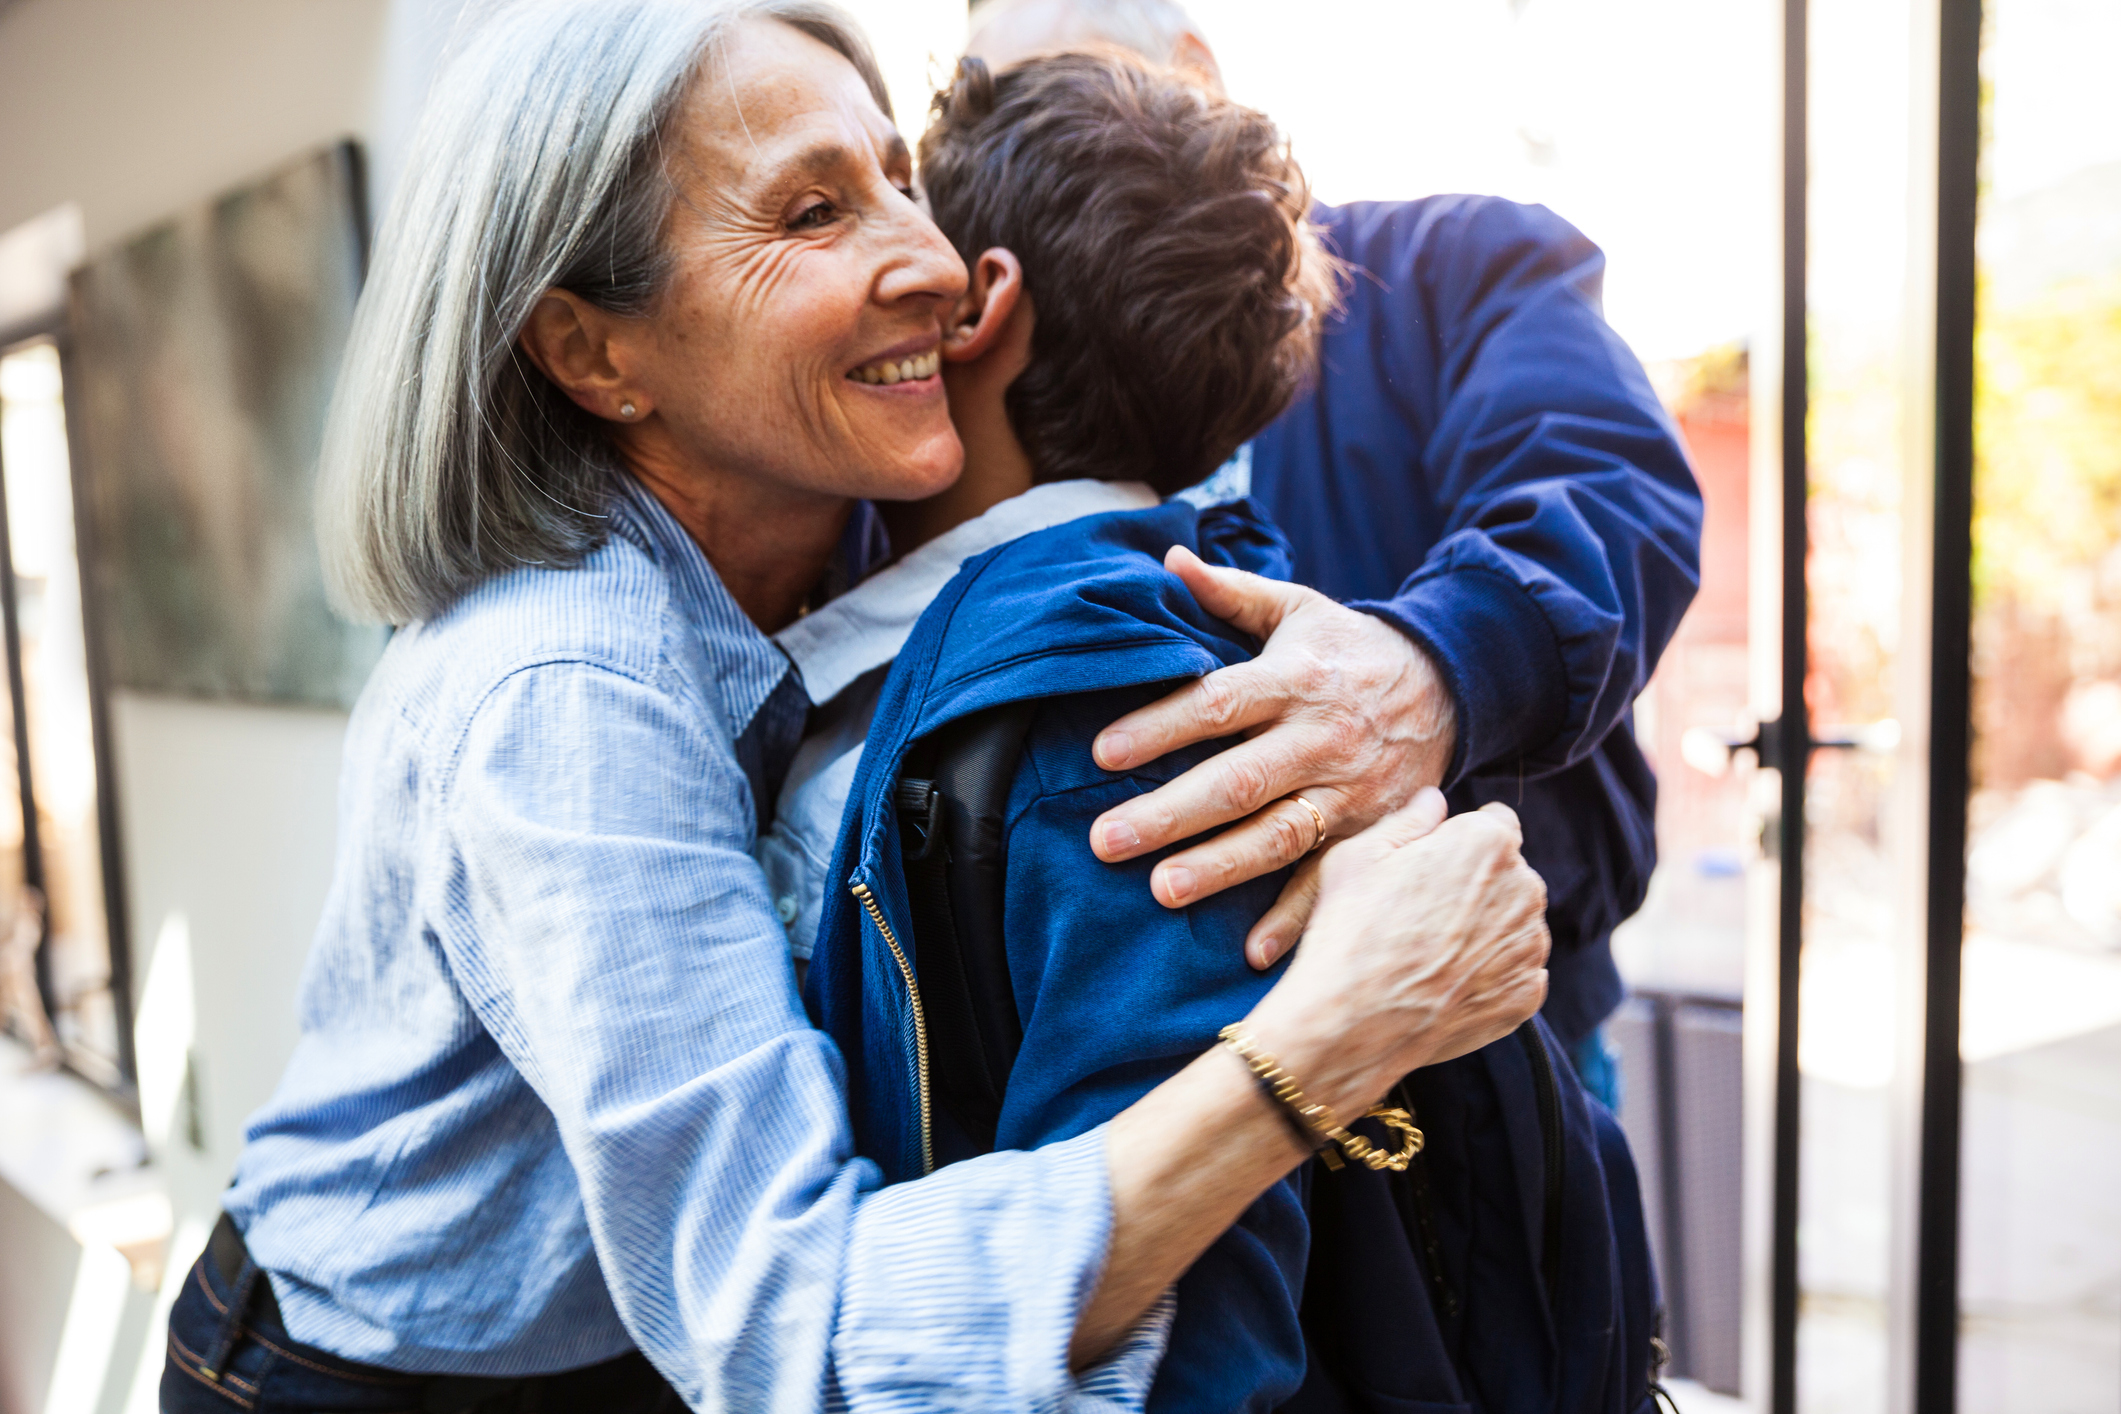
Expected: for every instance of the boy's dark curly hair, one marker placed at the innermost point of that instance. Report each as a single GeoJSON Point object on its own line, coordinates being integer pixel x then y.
{"type": "Point", "coordinates": [1178, 286]}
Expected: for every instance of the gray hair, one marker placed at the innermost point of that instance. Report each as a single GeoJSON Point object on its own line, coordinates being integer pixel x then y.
{"type": "Point", "coordinates": [448, 458]}
{"type": "Point", "coordinates": [1150, 28]}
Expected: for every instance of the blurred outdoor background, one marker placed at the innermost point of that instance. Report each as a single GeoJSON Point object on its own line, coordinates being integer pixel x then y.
{"type": "Point", "coordinates": [166, 826]}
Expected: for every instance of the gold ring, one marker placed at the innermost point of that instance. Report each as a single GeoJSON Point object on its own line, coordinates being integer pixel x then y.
{"type": "Point", "coordinates": [1317, 818]}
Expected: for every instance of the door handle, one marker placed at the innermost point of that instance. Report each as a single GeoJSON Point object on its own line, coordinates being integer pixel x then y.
{"type": "Point", "coordinates": [1710, 752]}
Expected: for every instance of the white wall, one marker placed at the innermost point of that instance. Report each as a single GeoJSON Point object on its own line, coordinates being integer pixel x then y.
{"type": "Point", "coordinates": [227, 832]}
{"type": "Point", "coordinates": [134, 108]}
{"type": "Point", "coordinates": [36, 1282]}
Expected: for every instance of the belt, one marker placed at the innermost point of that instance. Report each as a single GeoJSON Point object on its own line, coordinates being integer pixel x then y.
{"type": "Point", "coordinates": [228, 1254]}
{"type": "Point", "coordinates": [440, 1394]}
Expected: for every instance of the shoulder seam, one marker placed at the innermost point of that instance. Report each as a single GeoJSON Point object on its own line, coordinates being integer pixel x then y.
{"type": "Point", "coordinates": [451, 756]}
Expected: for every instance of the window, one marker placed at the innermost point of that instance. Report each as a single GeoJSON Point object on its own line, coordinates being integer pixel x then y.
{"type": "Point", "coordinates": [60, 923]}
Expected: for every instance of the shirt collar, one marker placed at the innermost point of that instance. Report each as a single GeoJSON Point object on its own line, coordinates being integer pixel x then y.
{"type": "Point", "coordinates": [747, 665]}
{"type": "Point", "coordinates": [865, 627]}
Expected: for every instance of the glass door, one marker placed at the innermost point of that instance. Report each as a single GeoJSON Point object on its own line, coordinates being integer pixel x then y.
{"type": "Point", "coordinates": [1837, 935]}
{"type": "Point", "coordinates": [2039, 1034]}
{"type": "Point", "coordinates": [1929, 815]}
{"type": "Point", "coordinates": [1759, 1046]}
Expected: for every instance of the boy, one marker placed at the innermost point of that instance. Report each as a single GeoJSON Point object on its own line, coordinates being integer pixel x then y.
{"type": "Point", "coordinates": [1145, 295]}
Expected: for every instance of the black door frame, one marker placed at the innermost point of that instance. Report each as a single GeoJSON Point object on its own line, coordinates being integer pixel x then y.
{"type": "Point", "coordinates": [1950, 705]}
{"type": "Point", "coordinates": [1936, 1295]}
{"type": "Point", "coordinates": [1786, 742]}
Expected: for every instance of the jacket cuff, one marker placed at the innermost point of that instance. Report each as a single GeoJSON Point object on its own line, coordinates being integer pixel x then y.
{"type": "Point", "coordinates": [1497, 655]}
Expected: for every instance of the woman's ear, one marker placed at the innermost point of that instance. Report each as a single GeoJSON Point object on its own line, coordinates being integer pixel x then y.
{"type": "Point", "coordinates": [981, 314]}
{"type": "Point", "coordinates": [571, 341]}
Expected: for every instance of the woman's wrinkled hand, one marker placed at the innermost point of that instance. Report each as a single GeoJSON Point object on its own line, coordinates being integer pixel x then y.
{"type": "Point", "coordinates": [1429, 940]}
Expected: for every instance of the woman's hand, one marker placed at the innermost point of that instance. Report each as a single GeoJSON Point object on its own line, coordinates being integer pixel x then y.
{"type": "Point", "coordinates": [1429, 940]}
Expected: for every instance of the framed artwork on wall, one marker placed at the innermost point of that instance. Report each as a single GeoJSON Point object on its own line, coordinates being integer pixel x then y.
{"type": "Point", "coordinates": [205, 350]}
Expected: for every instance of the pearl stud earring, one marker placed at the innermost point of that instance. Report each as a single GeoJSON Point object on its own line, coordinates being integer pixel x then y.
{"type": "Point", "coordinates": [626, 410]}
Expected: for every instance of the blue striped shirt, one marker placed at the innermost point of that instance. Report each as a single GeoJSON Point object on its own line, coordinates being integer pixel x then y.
{"type": "Point", "coordinates": [555, 1094]}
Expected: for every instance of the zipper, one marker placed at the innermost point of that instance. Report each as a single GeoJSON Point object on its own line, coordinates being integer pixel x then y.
{"type": "Point", "coordinates": [920, 1018]}
{"type": "Point", "coordinates": [1548, 1093]}
{"type": "Point", "coordinates": [1414, 1185]}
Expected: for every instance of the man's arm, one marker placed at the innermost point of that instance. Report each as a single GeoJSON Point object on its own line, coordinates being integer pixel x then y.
{"type": "Point", "coordinates": [1568, 553]}
{"type": "Point", "coordinates": [1571, 545]}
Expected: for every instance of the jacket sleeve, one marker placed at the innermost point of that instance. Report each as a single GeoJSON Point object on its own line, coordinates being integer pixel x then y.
{"type": "Point", "coordinates": [1117, 994]}
{"type": "Point", "coordinates": [1571, 520]}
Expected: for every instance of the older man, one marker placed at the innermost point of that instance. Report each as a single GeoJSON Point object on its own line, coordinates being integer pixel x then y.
{"type": "Point", "coordinates": [1486, 483]}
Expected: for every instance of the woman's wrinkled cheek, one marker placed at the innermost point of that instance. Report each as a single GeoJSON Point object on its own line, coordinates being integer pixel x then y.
{"type": "Point", "coordinates": [768, 284]}
{"type": "Point", "coordinates": [790, 314]}
{"type": "Point", "coordinates": [725, 300]}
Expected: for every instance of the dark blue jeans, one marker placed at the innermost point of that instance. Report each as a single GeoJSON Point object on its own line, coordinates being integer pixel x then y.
{"type": "Point", "coordinates": [228, 1351]}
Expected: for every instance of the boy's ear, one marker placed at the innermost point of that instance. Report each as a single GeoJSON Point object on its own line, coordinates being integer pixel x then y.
{"type": "Point", "coordinates": [980, 315]}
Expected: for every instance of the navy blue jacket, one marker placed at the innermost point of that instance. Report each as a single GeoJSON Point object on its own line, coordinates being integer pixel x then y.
{"type": "Point", "coordinates": [1484, 464]}
{"type": "Point", "coordinates": [1116, 993]}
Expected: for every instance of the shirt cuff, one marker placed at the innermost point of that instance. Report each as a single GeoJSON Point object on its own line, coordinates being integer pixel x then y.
{"type": "Point", "coordinates": [1497, 655]}
{"type": "Point", "coordinates": [1117, 1385]}
{"type": "Point", "coordinates": [1120, 1384]}
{"type": "Point", "coordinates": [962, 1291]}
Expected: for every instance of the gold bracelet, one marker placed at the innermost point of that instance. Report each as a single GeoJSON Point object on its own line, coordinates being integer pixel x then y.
{"type": "Point", "coordinates": [1317, 1119]}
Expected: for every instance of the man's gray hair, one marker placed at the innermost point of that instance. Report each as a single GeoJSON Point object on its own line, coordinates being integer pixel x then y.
{"type": "Point", "coordinates": [539, 163]}
{"type": "Point", "coordinates": [1151, 28]}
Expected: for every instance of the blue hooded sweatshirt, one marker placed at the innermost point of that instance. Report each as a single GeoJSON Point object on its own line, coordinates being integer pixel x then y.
{"type": "Point", "coordinates": [1116, 993]}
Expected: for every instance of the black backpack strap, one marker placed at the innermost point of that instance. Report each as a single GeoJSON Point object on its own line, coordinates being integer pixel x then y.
{"type": "Point", "coordinates": [952, 801]}
{"type": "Point", "coordinates": [966, 1091]}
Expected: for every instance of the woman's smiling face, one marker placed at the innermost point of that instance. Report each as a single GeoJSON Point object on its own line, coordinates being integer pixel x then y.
{"type": "Point", "coordinates": [797, 342]}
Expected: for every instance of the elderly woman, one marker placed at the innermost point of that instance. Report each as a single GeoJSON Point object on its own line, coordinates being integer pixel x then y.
{"type": "Point", "coordinates": [654, 312]}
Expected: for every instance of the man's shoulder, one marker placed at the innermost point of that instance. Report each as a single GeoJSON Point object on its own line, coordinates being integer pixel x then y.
{"type": "Point", "coordinates": [1453, 236]}
{"type": "Point", "coordinates": [1445, 218]}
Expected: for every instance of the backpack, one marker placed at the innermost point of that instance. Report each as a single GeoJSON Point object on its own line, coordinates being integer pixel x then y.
{"type": "Point", "coordinates": [1424, 1291]}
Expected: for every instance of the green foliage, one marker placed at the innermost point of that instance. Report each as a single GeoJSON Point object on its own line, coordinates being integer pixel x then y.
{"type": "Point", "coordinates": [2047, 445]}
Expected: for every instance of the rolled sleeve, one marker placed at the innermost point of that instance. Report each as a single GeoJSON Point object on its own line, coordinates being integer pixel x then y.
{"type": "Point", "coordinates": [971, 1253]}
{"type": "Point", "coordinates": [1122, 1381]}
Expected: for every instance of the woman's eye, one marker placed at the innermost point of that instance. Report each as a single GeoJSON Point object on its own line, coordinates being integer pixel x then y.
{"type": "Point", "coordinates": [909, 193]}
{"type": "Point", "coordinates": [812, 216]}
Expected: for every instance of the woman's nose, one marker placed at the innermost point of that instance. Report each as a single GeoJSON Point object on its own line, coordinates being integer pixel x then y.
{"type": "Point", "coordinates": [924, 265]}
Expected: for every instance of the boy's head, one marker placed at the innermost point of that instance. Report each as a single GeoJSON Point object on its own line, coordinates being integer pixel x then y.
{"type": "Point", "coordinates": [1176, 285]}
